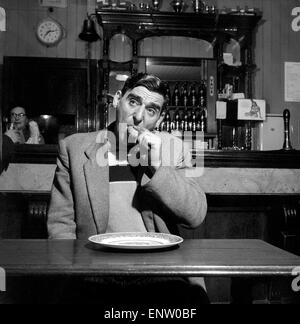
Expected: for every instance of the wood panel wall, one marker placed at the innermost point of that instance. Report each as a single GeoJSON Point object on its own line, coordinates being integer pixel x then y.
{"type": "Point", "coordinates": [276, 42]}
{"type": "Point", "coordinates": [24, 15]}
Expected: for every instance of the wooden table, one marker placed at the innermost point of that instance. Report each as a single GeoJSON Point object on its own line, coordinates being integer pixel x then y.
{"type": "Point", "coordinates": [226, 258]}
{"type": "Point", "coordinates": [246, 262]}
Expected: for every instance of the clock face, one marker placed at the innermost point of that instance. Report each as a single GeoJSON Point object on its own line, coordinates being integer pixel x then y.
{"type": "Point", "coordinates": [49, 32]}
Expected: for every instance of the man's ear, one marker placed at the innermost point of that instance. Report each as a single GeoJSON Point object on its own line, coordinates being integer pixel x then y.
{"type": "Point", "coordinates": [117, 98]}
{"type": "Point", "coordinates": [160, 120]}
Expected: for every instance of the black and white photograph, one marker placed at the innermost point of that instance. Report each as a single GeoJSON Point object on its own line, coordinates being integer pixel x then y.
{"type": "Point", "coordinates": [149, 155]}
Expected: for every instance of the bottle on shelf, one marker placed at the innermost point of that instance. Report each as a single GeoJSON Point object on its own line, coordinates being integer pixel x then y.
{"type": "Point", "coordinates": [203, 119]}
{"type": "Point", "coordinates": [185, 121]}
{"type": "Point", "coordinates": [172, 126]}
{"type": "Point", "coordinates": [162, 126]}
{"type": "Point", "coordinates": [193, 96]}
{"type": "Point", "coordinates": [198, 122]}
{"type": "Point", "coordinates": [185, 95]}
{"type": "Point", "coordinates": [168, 95]}
{"type": "Point", "coordinates": [202, 94]}
{"type": "Point", "coordinates": [194, 121]}
{"type": "Point", "coordinates": [168, 120]}
{"type": "Point", "coordinates": [176, 96]}
{"type": "Point", "coordinates": [177, 121]}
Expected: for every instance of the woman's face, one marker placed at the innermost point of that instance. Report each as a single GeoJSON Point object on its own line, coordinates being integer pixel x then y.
{"type": "Point", "coordinates": [18, 118]}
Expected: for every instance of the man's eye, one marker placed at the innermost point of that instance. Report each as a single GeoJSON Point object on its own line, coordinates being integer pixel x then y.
{"type": "Point", "coordinates": [133, 102]}
{"type": "Point", "coordinates": [151, 111]}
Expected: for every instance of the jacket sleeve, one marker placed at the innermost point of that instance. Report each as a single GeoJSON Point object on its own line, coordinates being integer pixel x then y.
{"type": "Point", "coordinates": [61, 215]}
{"type": "Point", "coordinates": [178, 189]}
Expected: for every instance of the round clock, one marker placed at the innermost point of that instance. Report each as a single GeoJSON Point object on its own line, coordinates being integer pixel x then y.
{"type": "Point", "coordinates": [49, 32]}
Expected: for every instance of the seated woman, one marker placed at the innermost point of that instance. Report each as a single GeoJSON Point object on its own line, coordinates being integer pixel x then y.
{"type": "Point", "coordinates": [28, 130]}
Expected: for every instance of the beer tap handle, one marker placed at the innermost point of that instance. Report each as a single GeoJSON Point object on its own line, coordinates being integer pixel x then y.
{"type": "Point", "coordinates": [287, 146]}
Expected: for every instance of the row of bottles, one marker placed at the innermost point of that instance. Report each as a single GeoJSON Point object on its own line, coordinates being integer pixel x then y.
{"type": "Point", "coordinates": [185, 95]}
{"type": "Point", "coordinates": [194, 120]}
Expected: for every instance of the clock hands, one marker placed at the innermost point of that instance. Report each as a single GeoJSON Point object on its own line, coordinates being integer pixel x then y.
{"type": "Point", "coordinates": [50, 31]}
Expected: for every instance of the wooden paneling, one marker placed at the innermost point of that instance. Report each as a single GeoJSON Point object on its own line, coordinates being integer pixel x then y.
{"type": "Point", "coordinates": [22, 18]}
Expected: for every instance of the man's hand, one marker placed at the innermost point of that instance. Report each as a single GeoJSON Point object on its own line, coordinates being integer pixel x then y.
{"type": "Point", "coordinates": [14, 135]}
{"type": "Point", "coordinates": [152, 143]}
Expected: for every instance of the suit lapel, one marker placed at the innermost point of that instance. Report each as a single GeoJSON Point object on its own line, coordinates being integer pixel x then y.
{"type": "Point", "coordinates": [97, 181]}
{"type": "Point", "coordinates": [147, 214]}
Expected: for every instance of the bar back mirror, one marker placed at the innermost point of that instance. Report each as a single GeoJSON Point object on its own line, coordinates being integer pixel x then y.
{"type": "Point", "coordinates": [187, 73]}
{"type": "Point", "coordinates": [45, 100]}
{"type": "Point", "coordinates": [174, 70]}
{"type": "Point", "coordinates": [120, 48]}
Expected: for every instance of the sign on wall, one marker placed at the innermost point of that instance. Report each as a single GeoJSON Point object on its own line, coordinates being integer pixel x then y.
{"type": "Point", "coordinates": [292, 82]}
{"type": "Point", "coordinates": [296, 20]}
{"type": "Point", "coordinates": [54, 3]}
{"type": "Point", "coordinates": [2, 19]}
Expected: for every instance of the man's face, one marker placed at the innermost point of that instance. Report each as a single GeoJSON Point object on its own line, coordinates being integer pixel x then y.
{"type": "Point", "coordinates": [18, 118]}
{"type": "Point", "coordinates": [140, 107]}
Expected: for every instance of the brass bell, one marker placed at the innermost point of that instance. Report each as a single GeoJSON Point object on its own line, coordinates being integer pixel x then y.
{"type": "Point", "coordinates": [89, 33]}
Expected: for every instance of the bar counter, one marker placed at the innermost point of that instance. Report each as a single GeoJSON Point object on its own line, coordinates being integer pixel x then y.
{"type": "Point", "coordinates": [225, 172]}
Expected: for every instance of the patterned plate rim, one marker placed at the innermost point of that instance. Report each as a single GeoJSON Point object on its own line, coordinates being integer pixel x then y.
{"type": "Point", "coordinates": [172, 240]}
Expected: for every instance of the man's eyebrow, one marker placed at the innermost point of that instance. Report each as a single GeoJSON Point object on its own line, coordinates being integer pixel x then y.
{"type": "Point", "coordinates": [135, 97]}
{"type": "Point", "coordinates": [140, 101]}
{"type": "Point", "coordinates": [154, 106]}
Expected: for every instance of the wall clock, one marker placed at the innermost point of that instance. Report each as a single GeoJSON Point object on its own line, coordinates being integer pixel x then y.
{"type": "Point", "coordinates": [49, 32]}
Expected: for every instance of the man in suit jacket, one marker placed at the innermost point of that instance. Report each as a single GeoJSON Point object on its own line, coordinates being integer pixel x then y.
{"type": "Point", "coordinates": [83, 202]}
{"type": "Point", "coordinates": [127, 178]}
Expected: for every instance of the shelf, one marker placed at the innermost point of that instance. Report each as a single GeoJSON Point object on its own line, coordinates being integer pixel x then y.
{"type": "Point", "coordinates": [251, 159]}
{"type": "Point", "coordinates": [36, 154]}
{"type": "Point", "coordinates": [206, 135]}
{"type": "Point", "coordinates": [237, 69]}
{"type": "Point", "coordinates": [47, 154]}
{"type": "Point", "coordinates": [188, 23]}
{"type": "Point", "coordinates": [184, 108]}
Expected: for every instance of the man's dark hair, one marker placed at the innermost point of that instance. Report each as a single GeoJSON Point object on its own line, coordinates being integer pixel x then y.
{"type": "Point", "coordinates": [150, 82]}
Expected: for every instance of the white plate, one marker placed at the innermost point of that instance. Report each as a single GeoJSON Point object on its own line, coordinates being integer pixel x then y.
{"type": "Point", "coordinates": [136, 241]}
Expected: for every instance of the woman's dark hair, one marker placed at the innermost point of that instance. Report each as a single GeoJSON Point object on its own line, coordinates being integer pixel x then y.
{"type": "Point", "coordinates": [17, 105]}
{"type": "Point", "coordinates": [150, 82]}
